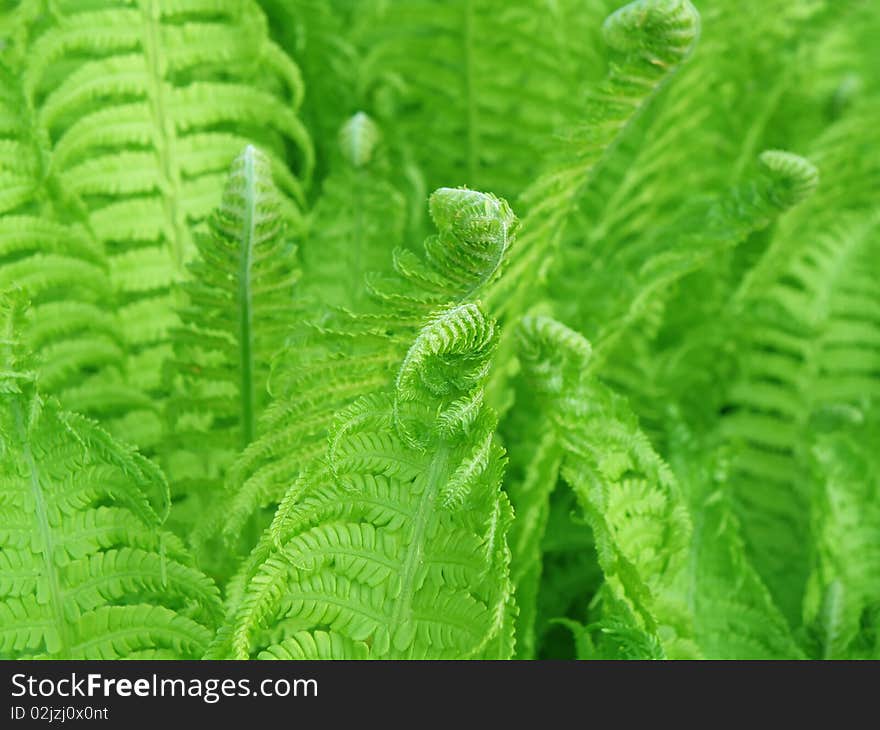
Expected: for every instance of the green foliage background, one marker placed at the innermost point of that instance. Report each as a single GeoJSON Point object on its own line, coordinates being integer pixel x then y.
{"type": "Point", "coordinates": [440, 329]}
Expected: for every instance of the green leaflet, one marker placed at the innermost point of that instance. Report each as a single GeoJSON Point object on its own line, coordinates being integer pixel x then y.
{"type": "Point", "coordinates": [629, 496]}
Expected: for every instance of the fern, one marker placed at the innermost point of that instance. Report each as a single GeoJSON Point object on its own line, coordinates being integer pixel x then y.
{"type": "Point", "coordinates": [397, 540]}
{"type": "Point", "coordinates": [787, 180]}
{"type": "Point", "coordinates": [792, 351]}
{"type": "Point", "coordinates": [636, 314]}
{"type": "Point", "coordinates": [709, 599]}
{"type": "Point", "coordinates": [628, 494]}
{"type": "Point", "coordinates": [358, 220]}
{"type": "Point", "coordinates": [238, 312]}
{"type": "Point", "coordinates": [144, 106]}
{"type": "Point", "coordinates": [352, 355]}
{"type": "Point", "coordinates": [505, 75]}
{"type": "Point", "coordinates": [54, 260]}
{"type": "Point", "coordinates": [662, 446]}
{"type": "Point", "coordinates": [650, 40]}
{"type": "Point", "coordinates": [88, 571]}
{"type": "Point", "coordinates": [842, 593]}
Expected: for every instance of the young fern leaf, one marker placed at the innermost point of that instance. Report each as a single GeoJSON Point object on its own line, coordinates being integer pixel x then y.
{"type": "Point", "coordinates": [350, 355]}
{"type": "Point", "coordinates": [535, 460]}
{"type": "Point", "coordinates": [804, 344]}
{"type": "Point", "coordinates": [785, 180]}
{"type": "Point", "coordinates": [239, 308]}
{"type": "Point", "coordinates": [650, 39]}
{"type": "Point", "coordinates": [795, 367]}
{"type": "Point", "coordinates": [680, 148]}
{"type": "Point", "coordinates": [395, 546]}
{"type": "Point", "coordinates": [356, 223]}
{"type": "Point", "coordinates": [491, 80]}
{"type": "Point", "coordinates": [184, 86]}
{"type": "Point", "coordinates": [628, 494]}
{"type": "Point", "coordinates": [88, 571]}
{"type": "Point", "coordinates": [629, 319]}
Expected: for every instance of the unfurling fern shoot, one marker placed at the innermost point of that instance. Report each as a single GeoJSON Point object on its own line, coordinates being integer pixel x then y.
{"type": "Point", "coordinates": [396, 543]}
{"type": "Point", "coordinates": [238, 306]}
{"type": "Point", "coordinates": [329, 364]}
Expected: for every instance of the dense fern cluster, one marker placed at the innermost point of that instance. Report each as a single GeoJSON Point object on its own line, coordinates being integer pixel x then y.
{"type": "Point", "coordinates": [439, 329]}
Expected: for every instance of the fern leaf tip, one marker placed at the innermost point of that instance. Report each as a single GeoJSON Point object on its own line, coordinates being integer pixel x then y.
{"type": "Point", "coordinates": [667, 29]}
{"type": "Point", "coordinates": [794, 177]}
{"type": "Point", "coordinates": [358, 139]}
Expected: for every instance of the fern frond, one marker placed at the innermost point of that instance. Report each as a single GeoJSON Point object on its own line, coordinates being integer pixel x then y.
{"type": "Point", "coordinates": [535, 461]}
{"type": "Point", "coordinates": [358, 220]}
{"type": "Point", "coordinates": [183, 87]}
{"type": "Point", "coordinates": [629, 496]}
{"type": "Point", "coordinates": [239, 308]}
{"type": "Point", "coordinates": [350, 355]}
{"type": "Point", "coordinates": [682, 150]}
{"type": "Point", "coordinates": [394, 545]}
{"type": "Point", "coordinates": [798, 353]}
{"type": "Point", "coordinates": [695, 249]}
{"type": "Point", "coordinates": [492, 81]}
{"type": "Point", "coordinates": [659, 571]}
{"type": "Point", "coordinates": [54, 260]}
{"type": "Point", "coordinates": [88, 570]}
{"type": "Point", "coordinates": [649, 39]}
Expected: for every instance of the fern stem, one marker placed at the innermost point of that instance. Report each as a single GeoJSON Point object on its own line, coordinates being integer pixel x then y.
{"type": "Point", "coordinates": [435, 478]}
{"type": "Point", "coordinates": [166, 137]}
{"type": "Point", "coordinates": [357, 268]}
{"type": "Point", "coordinates": [245, 330]}
{"type": "Point", "coordinates": [47, 543]}
{"type": "Point", "coordinates": [752, 139]}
